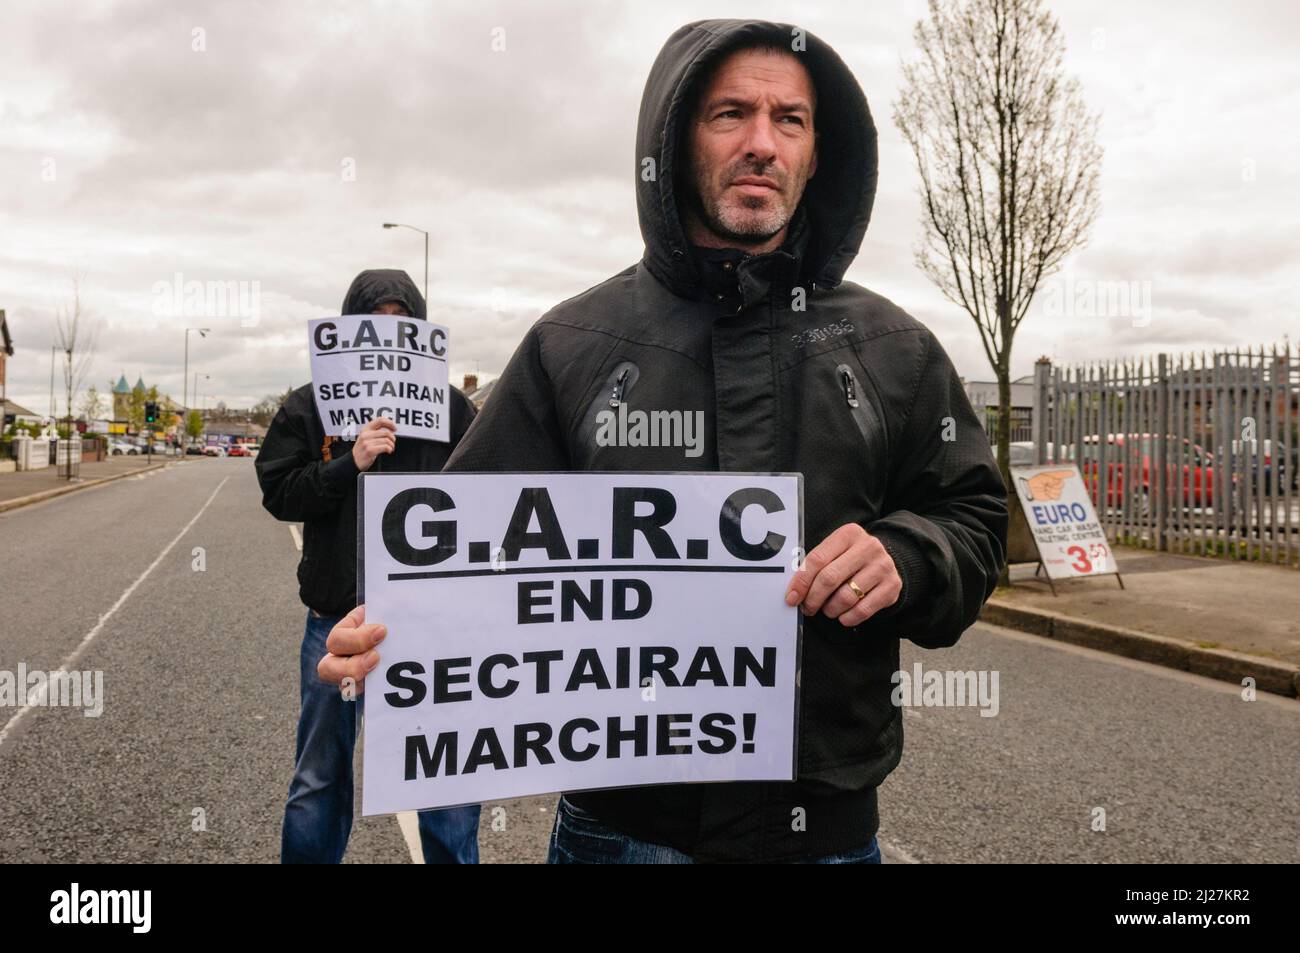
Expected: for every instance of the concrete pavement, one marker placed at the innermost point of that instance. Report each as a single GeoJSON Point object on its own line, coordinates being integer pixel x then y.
{"type": "Point", "coordinates": [31, 486]}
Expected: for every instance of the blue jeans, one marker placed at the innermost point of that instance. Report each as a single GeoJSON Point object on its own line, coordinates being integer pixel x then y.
{"type": "Point", "coordinates": [318, 814]}
{"type": "Point", "coordinates": [579, 838]}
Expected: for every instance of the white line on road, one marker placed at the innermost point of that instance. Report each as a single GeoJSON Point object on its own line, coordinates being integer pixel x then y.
{"type": "Point", "coordinates": [409, 822]}
{"type": "Point", "coordinates": [297, 536]}
{"type": "Point", "coordinates": [894, 855]}
{"type": "Point", "coordinates": [99, 626]}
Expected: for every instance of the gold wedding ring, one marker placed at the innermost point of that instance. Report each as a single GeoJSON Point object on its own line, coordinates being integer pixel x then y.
{"type": "Point", "coordinates": [857, 590]}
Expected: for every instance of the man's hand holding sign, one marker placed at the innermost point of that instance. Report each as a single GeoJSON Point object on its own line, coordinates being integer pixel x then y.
{"type": "Point", "coordinates": [376, 438]}
{"type": "Point", "coordinates": [849, 576]}
{"type": "Point", "coordinates": [352, 646]}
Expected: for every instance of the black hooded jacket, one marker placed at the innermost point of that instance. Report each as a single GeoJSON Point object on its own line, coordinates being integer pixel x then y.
{"type": "Point", "coordinates": [849, 390]}
{"type": "Point", "coordinates": [300, 485]}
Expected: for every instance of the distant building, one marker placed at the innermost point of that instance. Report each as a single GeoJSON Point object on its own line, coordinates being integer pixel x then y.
{"type": "Point", "coordinates": [122, 394]}
{"type": "Point", "coordinates": [983, 396]}
{"type": "Point", "coordinates": [121, 399]}
{"type": "Point", "coordinates": [477, 395]}
{"type": "Point", "coordinates": [224, 424]}
{"type": "Point", "coordinates": [17, 412]}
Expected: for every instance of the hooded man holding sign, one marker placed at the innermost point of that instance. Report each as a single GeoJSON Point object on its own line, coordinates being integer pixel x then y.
{"type": "Point", "coordinates": [310, 478]}
{"type": "Point", "coordinates": [755, 176]}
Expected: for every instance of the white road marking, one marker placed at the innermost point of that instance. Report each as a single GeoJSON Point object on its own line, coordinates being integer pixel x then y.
{"type": "Point", "coordinates": [409, 822]}
{"type": "Point", "coordinates": [895, 855]}
{"type": "Point", "coordinates": [296, 534]}
{"type": "Point", "coordinates": [99, 626]}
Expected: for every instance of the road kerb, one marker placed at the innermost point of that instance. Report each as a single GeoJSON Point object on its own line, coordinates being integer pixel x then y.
{"type": "Point", "coordinates": [1270, 675]}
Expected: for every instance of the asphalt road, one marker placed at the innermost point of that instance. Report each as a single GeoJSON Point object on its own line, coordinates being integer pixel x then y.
{"type": "Point", "coordinates": [200, 704]}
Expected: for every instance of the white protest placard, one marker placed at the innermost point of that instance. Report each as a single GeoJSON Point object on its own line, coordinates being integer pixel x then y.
{"type": "Point", "coordinates": [564, 631]}
{"type": "Point", "coordinates": [380, 365]}
{"type": "Point", "coordinates": [1070, 539]}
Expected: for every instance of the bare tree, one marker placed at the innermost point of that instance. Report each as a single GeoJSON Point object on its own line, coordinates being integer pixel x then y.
{"type": "Point", "coordinates": [92, 405]}
{"type": "Point", "coordinates": [1008, 161]}
{"type": "Point", "coordinates": [75, 334]}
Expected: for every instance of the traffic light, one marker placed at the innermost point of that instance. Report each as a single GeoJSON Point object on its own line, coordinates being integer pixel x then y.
{"type": "Point", "coordinates": [150, 412]}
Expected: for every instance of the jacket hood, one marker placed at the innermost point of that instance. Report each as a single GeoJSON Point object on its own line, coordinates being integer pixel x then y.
{"type": "Point", "coordinates": [837, 199]}
{"type": "Point", "coordinates": [381, 286]}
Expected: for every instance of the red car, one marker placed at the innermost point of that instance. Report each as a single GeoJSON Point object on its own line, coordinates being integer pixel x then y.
{"type": "Point", "coordinates": [1192, 468]}
{"type": "Point", "coordinates": [237, 451]}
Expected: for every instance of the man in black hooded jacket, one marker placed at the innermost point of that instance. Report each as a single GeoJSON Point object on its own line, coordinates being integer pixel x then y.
{"type": "Point", "coordinates": [308, 477]}
{"type": "Point", "coordinates": [756, 173]}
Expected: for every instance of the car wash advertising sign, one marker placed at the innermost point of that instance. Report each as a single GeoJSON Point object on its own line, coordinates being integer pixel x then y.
{"type": "Point", "coordinates": [380, 365]}
{"type": "Point", "coordinates": [1061, 517]}
{"type": "Point", "coordinates": [566, 631]}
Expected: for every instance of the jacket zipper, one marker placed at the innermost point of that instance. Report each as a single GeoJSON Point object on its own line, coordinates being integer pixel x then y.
{"type": "Point", "coordinates": [859, 410]}
{"type": "Point", "coordinates": [616, 397]}
{"type": "Point", "coordinates": [850, 386]}
{"type": "Point", "coordinates": [610, 397]}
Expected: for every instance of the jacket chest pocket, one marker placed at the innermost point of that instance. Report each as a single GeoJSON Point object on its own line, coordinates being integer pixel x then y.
{"type": "Point", "coordinates": [865, 416]}
{"type": "Point", "coordinates": [611, 394]}
{"type": "Point", "coordinates": [864, 463]}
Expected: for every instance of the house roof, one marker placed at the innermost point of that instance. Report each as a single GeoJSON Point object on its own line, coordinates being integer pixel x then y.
{"type": "Point", "coordinates": [18, 410]}
{"type": "Point", "coordinates": [479, 394]}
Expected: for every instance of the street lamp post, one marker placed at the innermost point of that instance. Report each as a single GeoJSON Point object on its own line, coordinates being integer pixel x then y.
{"type": "Point", "coordinates": [185, 379]}
{"type": "Point", "coordinates": [426, 253]}
{"type": "Point", "coordinates": [68, 353]}
{"type": "Point", "coordinates": [197, 375]}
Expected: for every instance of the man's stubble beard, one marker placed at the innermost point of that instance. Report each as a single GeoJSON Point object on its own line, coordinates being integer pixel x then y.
{"type": "Point", "coordinates": [734, 222]}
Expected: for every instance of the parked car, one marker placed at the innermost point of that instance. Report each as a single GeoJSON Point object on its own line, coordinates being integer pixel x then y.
{"type": "Point", "coordinates": [1191, 469]}
{"type": "Point", "coordinates": [1022, 453]}
{"type": "Point", "coordinates": [120, 448]}
{"type": "Point", "coordinates": [237, 451]}
{"type": "Point", "coordinates": [213, 451]}
{"type": "Point", "coordinates": [194, 450]}
{"type": "Point", "coordinates": [1259, 456]}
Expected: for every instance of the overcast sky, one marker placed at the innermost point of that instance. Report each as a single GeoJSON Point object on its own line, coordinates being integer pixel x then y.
{"type": "Point", "coordinates": [273, 152]}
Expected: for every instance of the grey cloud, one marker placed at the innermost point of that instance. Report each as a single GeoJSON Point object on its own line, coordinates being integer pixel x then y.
{"type": "Point", "coordinates": [225, 166]}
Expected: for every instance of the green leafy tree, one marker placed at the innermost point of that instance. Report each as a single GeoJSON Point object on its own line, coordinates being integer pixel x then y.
{"type": "Point", "coordinates": [135, 409]}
